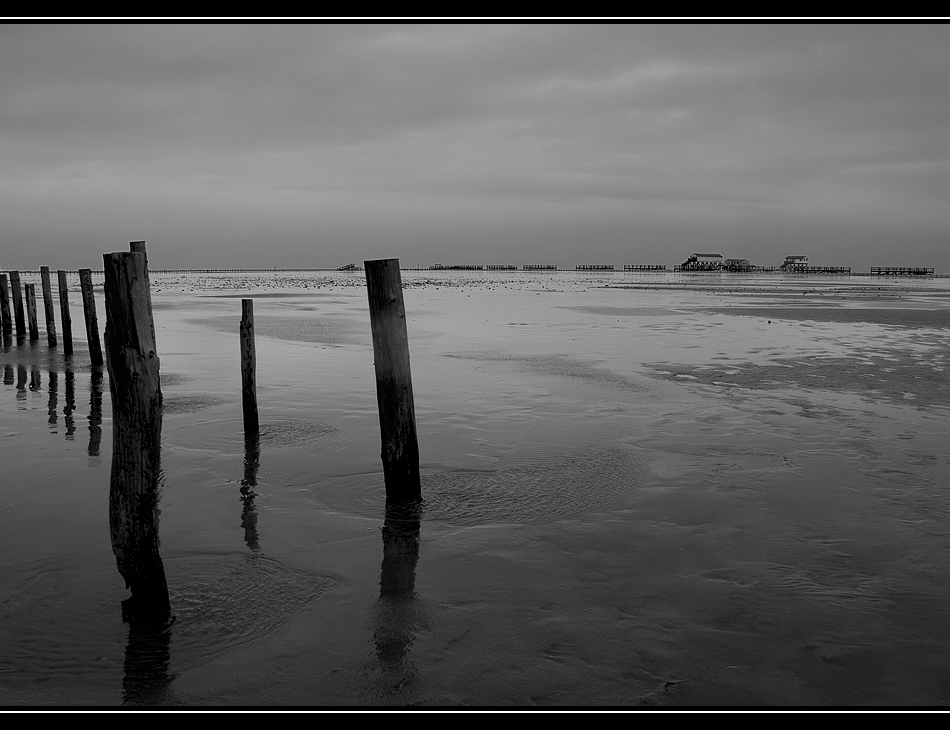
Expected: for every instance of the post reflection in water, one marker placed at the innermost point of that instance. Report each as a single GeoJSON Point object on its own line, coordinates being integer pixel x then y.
{"type": "Point", "coordinates": [8, 374]}
{"type": "Point", "coordinates": [51, 408]}
{"type": "Point", "coordinates": [95, 415]}
{"type": "Point", "coordinates": [147, 658]}
{"type": "Point", "coordinates": [70, 405]}
{"type": "Point", "coordinates": [397, 617]}
{"type": "Point", "coordinates": [20, 382]}
{"type": "Point", "coordinates": [252, 462]}
{"type": "Point", "coordinates": [36, 380]}
{"type": "Point", "coordinates": [134, 528]}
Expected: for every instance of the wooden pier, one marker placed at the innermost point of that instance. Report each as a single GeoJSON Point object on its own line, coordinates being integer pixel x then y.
{"type": "Point", "coordinates": [901, 271]}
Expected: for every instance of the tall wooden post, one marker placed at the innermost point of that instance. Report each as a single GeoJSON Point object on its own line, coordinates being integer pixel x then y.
{"type": "Point", "coordinates": [249, 372]}
{"type": "Point", "coordinates": [64, 315]}
{"type": "Point", "coordinates": [6, 322]}
{"type": "Point", "coordinates": [89, 314]}
{"type": "Point", "coordinates": [31, 312]}
{"type": "Point", "coordinates": [48, 306]}
{"type": "Point", "coordinates": [397, 413]}
{"type": "Point", "coordinates": [133, 366]}
{"type": "Point", "coordinates": [17, 294]}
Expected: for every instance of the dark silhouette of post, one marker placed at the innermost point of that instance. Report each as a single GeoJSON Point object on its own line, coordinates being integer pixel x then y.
{"type": "Point", "coordinates": [64, 315]}
{"type": "Point", "coordinates": [70, 405]}
{"type": "Point", "coordinates": [89, 314]}
{"type": "Point", "coordinates": [31, 312]}
{"type": "Point", "coordinates": [6, 321]}
{"type": "Point", "coordinates": [252, 463]}
{"type": "Point", "coordinates": [95, 414]}
{"type": "Point", "coordinates": [398, 615]}
{"type": "Point", "coordinates": [17, 294]}
{"type": "Point", "coordinates": [48, 306]}
{"type": "Point", "coordinates": [397, 413]}
{"type": "Point", "coordinates": [51, 410]}
{"type": "Point", "coordinates": [249, 371]}
{"type": "Point", "coordinates": [133, 367]}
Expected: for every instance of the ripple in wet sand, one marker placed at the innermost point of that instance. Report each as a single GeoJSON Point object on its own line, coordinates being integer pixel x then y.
{"type": "Point", "coordinates": [58, 617]}
{"type": "Point", "coordinates": [530, 489]}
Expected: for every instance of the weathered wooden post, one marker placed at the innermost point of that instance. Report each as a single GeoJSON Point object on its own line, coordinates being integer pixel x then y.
{"type": "Point", "coordinates": [48, 306]}
{"type": "Point", "coordinates": [139, 247]}
{"type": "Point", "coordinates": [64, 315]}
{"type": "Point", "coordinates": [249, 372]}
{"type": "Point", "coordinates": [31, 312]}
{"type": "Point", "coordinates": [6, 322]}
{"type": "Point", "coordinates": [397, 413]}
{"type": "Point", "coordinates": [17, 304]}
{"type": "Point", "coordinates": [133, 366]}
{"type": "Point", "coordinates": [89, 314]}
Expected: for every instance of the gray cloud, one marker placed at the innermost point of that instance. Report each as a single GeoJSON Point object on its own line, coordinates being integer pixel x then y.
{"type": "Point", "coordinates": [474, 142]}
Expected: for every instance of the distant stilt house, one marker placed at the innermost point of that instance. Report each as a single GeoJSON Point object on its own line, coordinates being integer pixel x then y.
{"type": "Point", "coordinates": [737, 265]}
{"type": "Point", "coordinates": [795, 263]}
{"type": "Point", "coordinates": [702, 262]}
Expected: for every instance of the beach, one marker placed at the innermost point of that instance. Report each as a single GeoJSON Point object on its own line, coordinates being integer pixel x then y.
{"type": "Point", "coordinates": [640, 490]}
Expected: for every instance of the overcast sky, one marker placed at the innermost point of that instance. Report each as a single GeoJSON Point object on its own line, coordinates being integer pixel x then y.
{"type": "Point", "coordinates": [320, 145]}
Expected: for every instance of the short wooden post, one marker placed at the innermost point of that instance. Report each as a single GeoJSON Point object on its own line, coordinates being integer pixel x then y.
{"type": "Point", "coordinates": [64, 315]}
{"type": "Point", "coordinates": [17, 294]}
{"type": "Point", "coordinates": [31, 312]}
{"type": "Point", "coordinates": [6, 321]}
{"type": "Point", "coordinates": [397, 414]}
{"type": "Point", "coordinates": [249, 371]}
{"type": "Point", "coordinates": [89, 314]}
{"type": "Point", "coordinates": [133, 366]}
{"type": "Point", "coordinates": [48, 306]}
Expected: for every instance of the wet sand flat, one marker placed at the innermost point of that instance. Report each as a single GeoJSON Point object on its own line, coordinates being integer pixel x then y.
{"type": "Point", "coordinates": [639, 492]}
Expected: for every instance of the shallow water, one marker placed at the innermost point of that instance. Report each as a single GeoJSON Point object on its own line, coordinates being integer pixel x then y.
{"type": "Point", "coordinates": [639, 490]}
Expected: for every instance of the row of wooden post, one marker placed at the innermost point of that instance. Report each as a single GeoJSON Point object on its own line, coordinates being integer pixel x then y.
{"type": "Point", "coordinates": [133, 366]}
{"type": "Point", "coordinates": [28, 292]}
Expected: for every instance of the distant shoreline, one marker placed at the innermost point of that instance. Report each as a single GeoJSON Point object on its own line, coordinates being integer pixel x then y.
{"type": "Point", "coordinates": [935, 275]}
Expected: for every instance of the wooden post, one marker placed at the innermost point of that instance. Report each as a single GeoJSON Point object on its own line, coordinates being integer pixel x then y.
{"type": "Point", "coordinates": [133, 366]}
{"type": "Point", "coordinates": [249, 371]}
{"type": "Point", "coordinates": [89, 314]}
{"type": "Point", "coordinates": [397, 414]}
{"type": "Point", "coordinates": [31, 312]}
{"type": "Point", "coordinates": [48, 306]}
{"type": "Point", "coordinates": [6, 322]}
{"type": "Point", "coordinates": [17, 304]}
{"type": "Point", "coordinates": [139, 247]}
{"type": "Point", "coordinates": [64, 315]}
